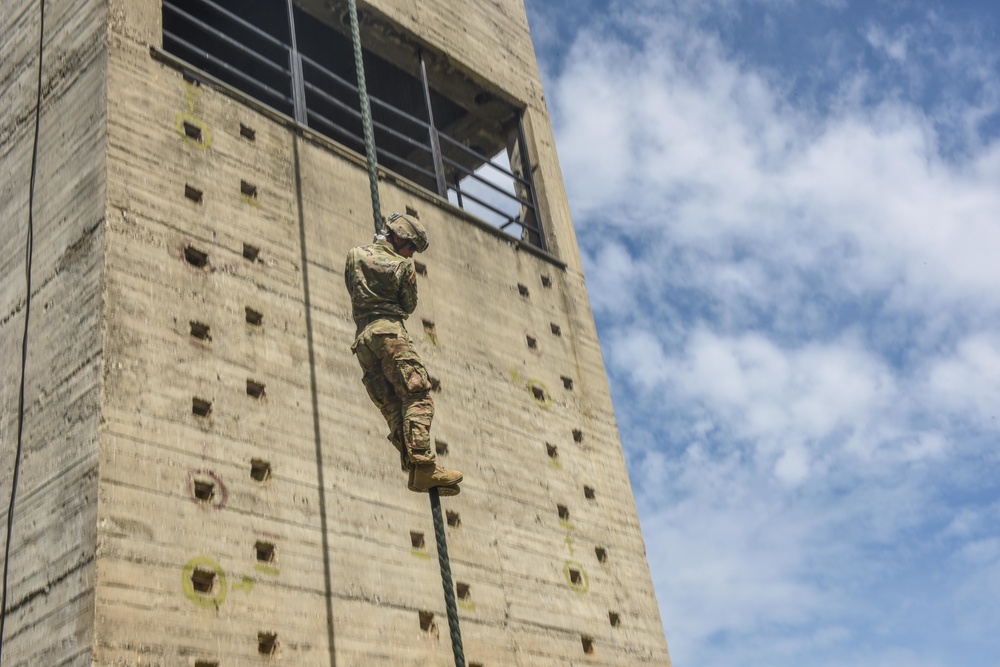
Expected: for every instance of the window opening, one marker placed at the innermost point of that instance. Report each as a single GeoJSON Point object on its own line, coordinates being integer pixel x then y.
{"type": "Point", "coordinates": [432, 125]}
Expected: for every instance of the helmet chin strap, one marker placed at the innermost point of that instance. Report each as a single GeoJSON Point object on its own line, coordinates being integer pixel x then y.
{"type": "Point", "coordinates": [392, 238]}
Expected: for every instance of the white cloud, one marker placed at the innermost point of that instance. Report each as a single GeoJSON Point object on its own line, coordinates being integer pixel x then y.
{"type": "Point", "coordinates": [798, 310]}
{"type": "Point", "coordinates": [894, 47]}
{"type": "Point", "coordinates": [967, 383]}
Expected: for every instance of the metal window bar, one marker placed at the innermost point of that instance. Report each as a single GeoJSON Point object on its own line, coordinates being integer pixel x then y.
{"type": "Point", "coordinates": [463, 147]}
{"type": "Point", "coordinates": [295, 63]}
{"type": "Point", "coordinates": [471, 173]}
{"type": "Point", "coordinates": [353, 111]}
{"type": "Point", "coordinates": [525, 160]}
{"type": "Point", "coordinates": [504, 214]}
{"type": "Point", "coordinates": [302, 112]}
{"type": "Point", "coordinates": [374, 100]}
{"type": "Point", "coordinates": [350, 109]}
{"type": "Point", "coordinates": [359, 140]}
{"type": "Point", "coordinates": [225, 38]}
{"type": "Point", "coordinates": [271, 92]}
{"type": "Point", "coordinates": [235, 18]}
{"type": "Point", "coordinates": [253, 55]}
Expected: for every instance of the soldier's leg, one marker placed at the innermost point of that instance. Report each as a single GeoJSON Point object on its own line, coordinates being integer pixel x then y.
{"type": "Point", "coordinates": [402, 366]}
{"type": "Point", "coordinates": [384, 396]}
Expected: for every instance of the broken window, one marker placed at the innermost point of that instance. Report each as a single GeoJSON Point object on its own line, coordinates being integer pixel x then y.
{"type": "Point", "coordinates": [431, 123]}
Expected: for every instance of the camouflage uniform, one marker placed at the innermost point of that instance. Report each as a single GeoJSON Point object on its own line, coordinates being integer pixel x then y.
{"type": "Point", "coordinates": [383, 288]}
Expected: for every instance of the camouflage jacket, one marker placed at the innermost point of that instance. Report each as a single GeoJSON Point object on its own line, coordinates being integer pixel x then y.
{"type": "Point", "coordinates": [381, 283]}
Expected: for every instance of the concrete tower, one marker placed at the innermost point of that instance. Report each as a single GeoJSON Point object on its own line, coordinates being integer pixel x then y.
{"type": "Point", "coordinates": [204, 481]}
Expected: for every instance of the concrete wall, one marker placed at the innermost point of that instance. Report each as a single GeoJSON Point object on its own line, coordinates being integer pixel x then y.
{"type": "Point", "coordinates": [179, 495]}
{"type": "Point", "coordinates": [50, 598]}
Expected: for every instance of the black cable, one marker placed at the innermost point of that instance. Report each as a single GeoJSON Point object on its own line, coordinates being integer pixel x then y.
{"type": "Point", "coordinates": [28, 252]}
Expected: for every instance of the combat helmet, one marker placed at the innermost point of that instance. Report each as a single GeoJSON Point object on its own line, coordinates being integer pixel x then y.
{"type": "Point", "coordinates": [409, 229]}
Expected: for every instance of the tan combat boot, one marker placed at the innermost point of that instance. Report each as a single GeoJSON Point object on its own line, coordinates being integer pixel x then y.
{"type": "Point", "coordinates": [426, 476]}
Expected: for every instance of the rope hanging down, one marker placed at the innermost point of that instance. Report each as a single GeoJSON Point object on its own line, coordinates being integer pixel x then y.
{"type": "Point", "coordinates": [442, 543]}
{"type": "Point", "coordinates": [366, 119]}
{"type": "Point", "coordinates": [449, 587]}
{"type": "Point", "coordinates": [28, 256]}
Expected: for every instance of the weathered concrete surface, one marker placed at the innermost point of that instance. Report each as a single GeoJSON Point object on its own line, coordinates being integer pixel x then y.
{"type": "Point", "coordinates": [178, 496]}
{"type": "Point", "coordinates": [50, 602]}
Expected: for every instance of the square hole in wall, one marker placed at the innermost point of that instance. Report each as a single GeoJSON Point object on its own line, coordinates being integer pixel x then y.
{"type": "Point", "coordinates": [602, 554]}
{"type": "Point", "coordinates": [193, 193]}
{"type": "Point", "coordinates": [441, 447]}
{"type": "Point", "coordinates": [251, 252]}
{"type": "Point", "coordinates": [563, 512]}
{"type": "Point", "coordinates": [588, 492]}
{"type": "Point", "coordinates": [412, 212]}
{"type": "Point", "coordinates": [248, 189]}
{"type": "Point", "coordinates": [546, 281]}
{"type": "Point", "coordinates": [201, 331]}
{"type": "Point", "coordinates": [552, 451]}
{"type": "Point", "coordinates": [248, 133]}
{"type": "Point", "coordinates": [454, 520]}
{"type": "Point", "coordinates": [575, 577]}
{"type": "Point", "coordinates": [430, 332]}
{"type": "Point", "coordinates": [522, 290]}
{"type": "Point", "coordinates": [435, 383]}
{"type": "Point", "coordinates": [254, 317]}
{"type": "Point", "coordinates": [567, 382]}
{"type": "Point", "coordinates": [538, 393]}
{"type": "Point", "coordinates": [201, 407]}
{"type": "Point", "coordinates": [204, 490]}
{"type": "Point", "coordinates": [260, 470]}
{"type": "Point", "coordinates": [417, 540]}
{"type": "Point", "coordinates": [195, 257]}
{"type": "Point", "coordinates": [462, 590]}
{"type": "Point", "coordinates": [556, 330]}
{"type": "Point", "coordinates": [420, 268]}
{"type": "Point", "coordinates": [264, 551]}
{"type": "Point", "coordinates": [202, 580]}
{"type": "Point", "coordinates": [193, 132]}
{"type": "Point", "coordinates": [615, 619]}
{"type": "Point", "coordinates": [255, 389]}
{"type": "Point", "coordinates": [588, 643]}
{"type": "Point", "coordinates": [267, 643]}
{"type": "Point", "coordinates": [577, 435]}
{"type": "Point", "coordinates": [427, 621]}
{"type": "Point", "coordinates": [532, 342]}
{"type": "Point", "coordinates": [206, 663]}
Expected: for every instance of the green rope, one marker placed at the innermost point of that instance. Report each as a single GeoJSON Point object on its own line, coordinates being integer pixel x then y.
{"type": "Point", "coordinates": [366, 119]}
{"type": "Point", "coordinates": [449, 588]}
{"type": "Point", "coordinates": [442, 543]}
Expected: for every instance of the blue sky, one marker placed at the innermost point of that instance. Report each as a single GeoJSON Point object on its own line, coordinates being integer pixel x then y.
{"type": "Point", "coordinates": [789, 214]}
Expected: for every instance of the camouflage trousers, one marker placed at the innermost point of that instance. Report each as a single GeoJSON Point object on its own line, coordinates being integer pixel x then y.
{"type": "Point", "coordinates": [397, 383]}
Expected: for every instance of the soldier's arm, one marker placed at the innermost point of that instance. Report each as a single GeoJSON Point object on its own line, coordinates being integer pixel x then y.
{"type": "Point", "coordinates": [407, 286]}
{"type": "Point", "coordinates": [349, 271]}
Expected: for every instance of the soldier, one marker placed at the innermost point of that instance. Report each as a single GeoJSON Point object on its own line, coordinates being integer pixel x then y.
{"type": "Point", "coordinates": [383, 288]}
